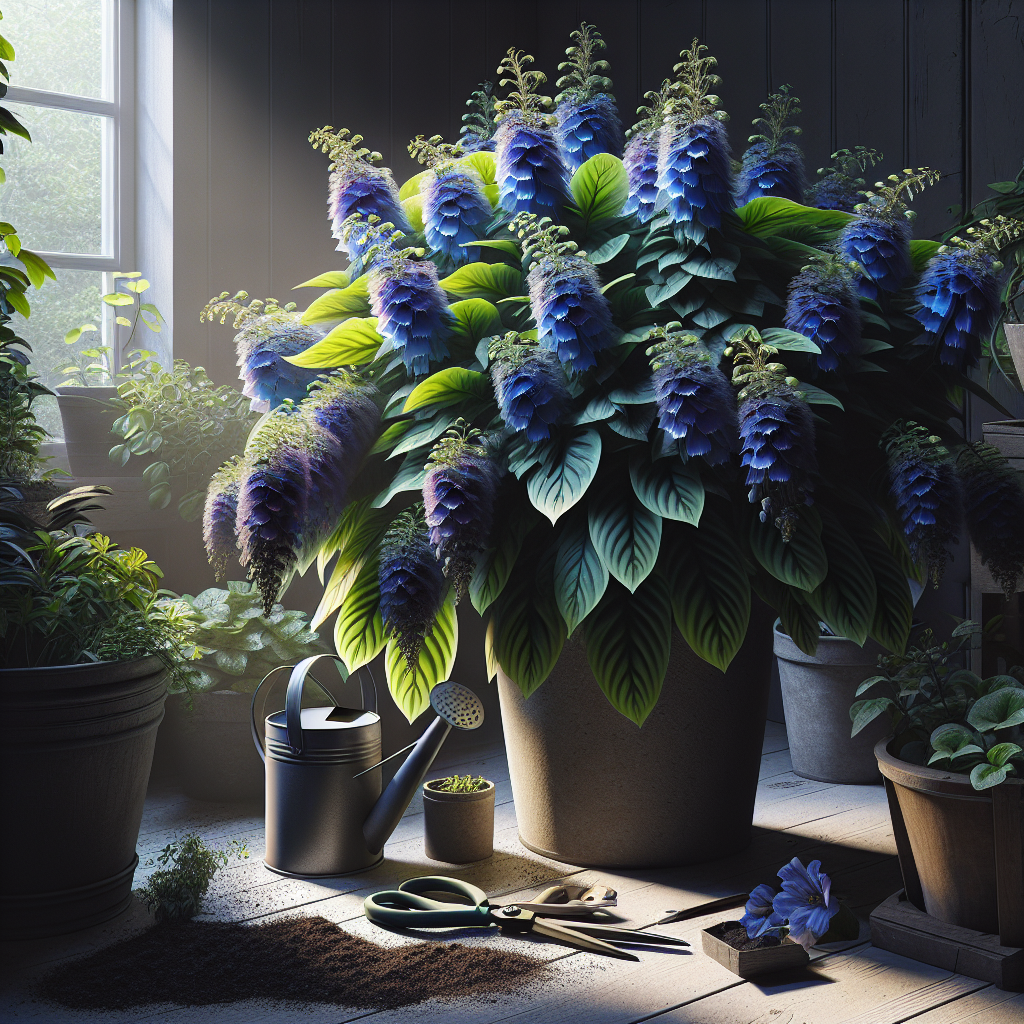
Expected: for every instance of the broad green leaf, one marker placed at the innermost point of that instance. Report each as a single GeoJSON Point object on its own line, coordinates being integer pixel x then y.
{"type": "Point", "coordinates": [985, 776]}
{"type": "Point", "coordinates": [600, 187]}
{"type": "Point", "coordinates": [359, 629]}
{"type": "Point", "coordinates": [528, 632]}
{"type": "Point", "coordinates": [410, 477]}
{"type": "Point", "coordinates": [1001, 709]}
{"type": "Point", "coordinates": [801, 562]}
{"type": "Point", "coordinates": [353, 300]}
{"type": "Point", "coordinates": [771, 215]}
{"type": "Point", "coordinates": [449, 387]}
{"type": "Point", "coordinates": [492, 281]}
{"type": "Point", "coordinates": [36, 268]}
{"type": "Point", "coordinates": [629, 640]}
{"type": "Point", "coordinates": [332, 279]}
{"type": "Point", "coordinates": [413, 207]}
{"type": "Point", "coordinates": [352, 343]}
{"type": "Point", "coordinates": [816, 396]}
{"type": "Point", "coordinates": [410, 688]}
{"type": "Point", "coordinates": [580, 576]}
{"type": "Point", "coordinates": [921, 251]}
{"type": "Point", "coordinates": [413, 185]}
{"type": "Point", "coordinates": [894, 605]}
{"type": "Point", "coordinates": [627, 536]}
{"type": "Point", "coordinates": [710, 591]}
{"type": "Point", "coordinates": [495, 566]}
{"type": "Point", "coordinates": [567, 469]}
{"type": "Point", "coordinates": [484, 163]}
{"type": "Point", "coordinates": [845, 600]}
{"type": "Point", "coordinates": [951, 737]}
{"type": "Point", "coordinates": [505, 245]}
{"type": "Point", "coordinates": [1003, 752]}
{"type": "Point", "coordinates": [476, 319]}
{"type": "Point", "coordinates": [610, 249]}
{"type": "Point", "coordinates": [423, 433]}
{"type": "Point", "coordinates": [864, 712]}
{"type": "Point", "coordinates": [118, 299]}
{"type": "Point", "coordinates": [358, 531]}
{"type": "Point", "coordinates": [788, 341]}
{"type": "Point", "coordinates": [670, 488]}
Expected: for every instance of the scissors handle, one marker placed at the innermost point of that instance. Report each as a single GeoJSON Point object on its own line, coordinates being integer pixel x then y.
{"type": "Point", "coordinates": [404, 907]}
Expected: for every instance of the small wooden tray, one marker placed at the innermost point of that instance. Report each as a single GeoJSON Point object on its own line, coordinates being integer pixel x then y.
{"type": "Point", "coordinates": [898, 926]}
{"type": "Point", "coordinates": [748, 963]}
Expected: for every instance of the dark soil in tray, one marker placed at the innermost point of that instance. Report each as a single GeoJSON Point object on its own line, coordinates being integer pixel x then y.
{"type": "Point", "coordinates": [735, 935]}
{"type": "Point", "coordinates": [308, 959]}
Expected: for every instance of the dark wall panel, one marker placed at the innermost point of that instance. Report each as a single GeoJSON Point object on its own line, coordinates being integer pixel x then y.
{"type": "Point", "coordinates": [929, 82]}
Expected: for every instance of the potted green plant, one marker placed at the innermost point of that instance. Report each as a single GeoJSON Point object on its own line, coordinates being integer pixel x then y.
{"type": "Point", "coordinates": [955, 738]}
{"type": "Point", "coordinates": [184, 426]}
{"type": "Point", "coordinates": [209, 720]}
{"type": "Point", "coordinates": [458, 819]}
{"type": "Point", "coordinates": [85, 397]}
{"type": "Point", "coordinates": [625, 437]}
{"type": "Point", "coordinates": [86, 649]}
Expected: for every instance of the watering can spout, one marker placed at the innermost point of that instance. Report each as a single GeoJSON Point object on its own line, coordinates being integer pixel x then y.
{"type": "Point", "coordinates": [388, 810]}
{"type": "Point", "coordinates": [456, 706]}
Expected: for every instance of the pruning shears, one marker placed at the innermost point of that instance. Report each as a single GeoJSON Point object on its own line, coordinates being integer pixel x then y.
{"type": "Point", "coordinates": [412, 905]}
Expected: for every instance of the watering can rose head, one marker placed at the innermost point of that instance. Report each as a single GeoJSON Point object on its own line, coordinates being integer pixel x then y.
{"type": "Point", "coordinates": [621, 389]}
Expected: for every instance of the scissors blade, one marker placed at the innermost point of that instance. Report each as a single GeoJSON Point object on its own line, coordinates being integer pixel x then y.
{"type": "Point", "coordinates": [612, 934]}
{"type": "Point", "coordinates": [571, 937]}
{"type": "Point", "coordinates": [726, 903]}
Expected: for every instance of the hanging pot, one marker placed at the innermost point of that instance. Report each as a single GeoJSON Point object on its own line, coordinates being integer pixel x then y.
{"type": "Point", "coordinates": [74, 765]}
{"type": "Point", "coordinates": [591, 788]}
{"type": "Point", "coordinates": [817, 691]}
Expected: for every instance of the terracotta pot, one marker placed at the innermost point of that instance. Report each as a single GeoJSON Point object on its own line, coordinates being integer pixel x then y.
{"type": "Point", "coordinates": [458, 828]}
{"type": "Point", "coordinates": [75, 761]}
{"type": "Point", "coordinates": [817, 691]}
{"type": "Point", "coordinates": [212, 746]}
{"type": "Point", "coordinates": [946, 840]}
{"type": "Point", "coordinates": [591, 788]}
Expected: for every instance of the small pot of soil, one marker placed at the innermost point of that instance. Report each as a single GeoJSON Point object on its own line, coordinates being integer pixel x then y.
{"type": "Point", "coordinates": [87, 417]}
{"type": "Point", "coordinates": [74, 765]}
{"type": "Point", "coordinates": [946, 838]}
{"type": "Point", "coordinates": [817, 691]}
{"type": "Point", "coordinates": [729, 944]}
{"type": "Point", "coordinates": [211, 743]}
{"type": "Point", "coordinates": [458, 823]}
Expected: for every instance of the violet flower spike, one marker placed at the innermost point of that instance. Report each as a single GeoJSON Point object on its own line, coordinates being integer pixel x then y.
{"type": "Point", "coordinates": [219, 516]}
{"type": "Point", "coordinates": [822, 306]}
{"type": "Point", "coordinates": [773, 165]}
{"type": "Point", "coordinates": [806, 901]}
{"type": "Point", "coordinates": [530, 386]}
{"type": "Point", "coordinates": [412, 584]}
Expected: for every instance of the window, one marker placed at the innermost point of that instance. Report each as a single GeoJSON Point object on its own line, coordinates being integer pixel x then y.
{"type": "Point", "coordinates": [70, 190]}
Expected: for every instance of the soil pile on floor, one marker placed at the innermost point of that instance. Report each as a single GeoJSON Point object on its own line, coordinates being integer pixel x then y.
{"type": "Point", "coordinates": [308, 959]}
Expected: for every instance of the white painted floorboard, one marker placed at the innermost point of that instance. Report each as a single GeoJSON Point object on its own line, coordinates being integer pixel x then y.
{"type": "Point", "coordinates": [846, 827]}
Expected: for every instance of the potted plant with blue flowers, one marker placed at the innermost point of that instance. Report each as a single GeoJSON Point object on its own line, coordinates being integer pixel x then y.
{"type": "Point", "coordinates": [642, 421]}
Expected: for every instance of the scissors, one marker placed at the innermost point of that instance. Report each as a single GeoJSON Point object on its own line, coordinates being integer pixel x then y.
{"type": "Point", "coordinates": [466, 906]}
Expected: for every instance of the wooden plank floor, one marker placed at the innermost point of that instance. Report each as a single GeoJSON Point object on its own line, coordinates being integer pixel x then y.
{"type": "Point", "coordinates": [846, 827]}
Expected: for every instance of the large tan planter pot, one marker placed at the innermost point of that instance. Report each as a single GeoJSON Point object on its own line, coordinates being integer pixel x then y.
{"type": "Point", "coordinates": [1015, 343]}
{"type": "Point", "coordinates": [591, 788]}
{"type": "Point", "coordinates": [946, 836]}
{"type": "Point", "coordinates": [78, 746]}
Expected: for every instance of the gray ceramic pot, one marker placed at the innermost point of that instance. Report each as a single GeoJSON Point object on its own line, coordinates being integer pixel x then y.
{"type": "Point", "coordinates": [591, 788]}
{"type": "Point", "coordinates": [458, 828]}
{"type": "Point", "coordinates": [817, 692]}
{"type": "Point", "coordinates": [212, 746]}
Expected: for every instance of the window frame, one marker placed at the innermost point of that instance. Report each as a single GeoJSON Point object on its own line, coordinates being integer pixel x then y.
{"type": "Point", "coordinates": [117, 214]}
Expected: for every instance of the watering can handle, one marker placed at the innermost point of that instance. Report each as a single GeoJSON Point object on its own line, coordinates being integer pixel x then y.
{"type": "Point", "coordinates": [293, 699]}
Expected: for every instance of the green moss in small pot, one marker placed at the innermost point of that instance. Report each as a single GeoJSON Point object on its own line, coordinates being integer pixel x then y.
{"type": "Point", "coordinates": [458, 819]}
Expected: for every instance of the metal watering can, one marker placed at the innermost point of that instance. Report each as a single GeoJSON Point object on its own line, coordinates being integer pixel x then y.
{"type": "Point", "coordinates": [325, 814]}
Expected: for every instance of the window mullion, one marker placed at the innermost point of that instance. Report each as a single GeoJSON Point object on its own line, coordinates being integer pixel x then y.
{"type": "Point", "coordinates": [61, 101]}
